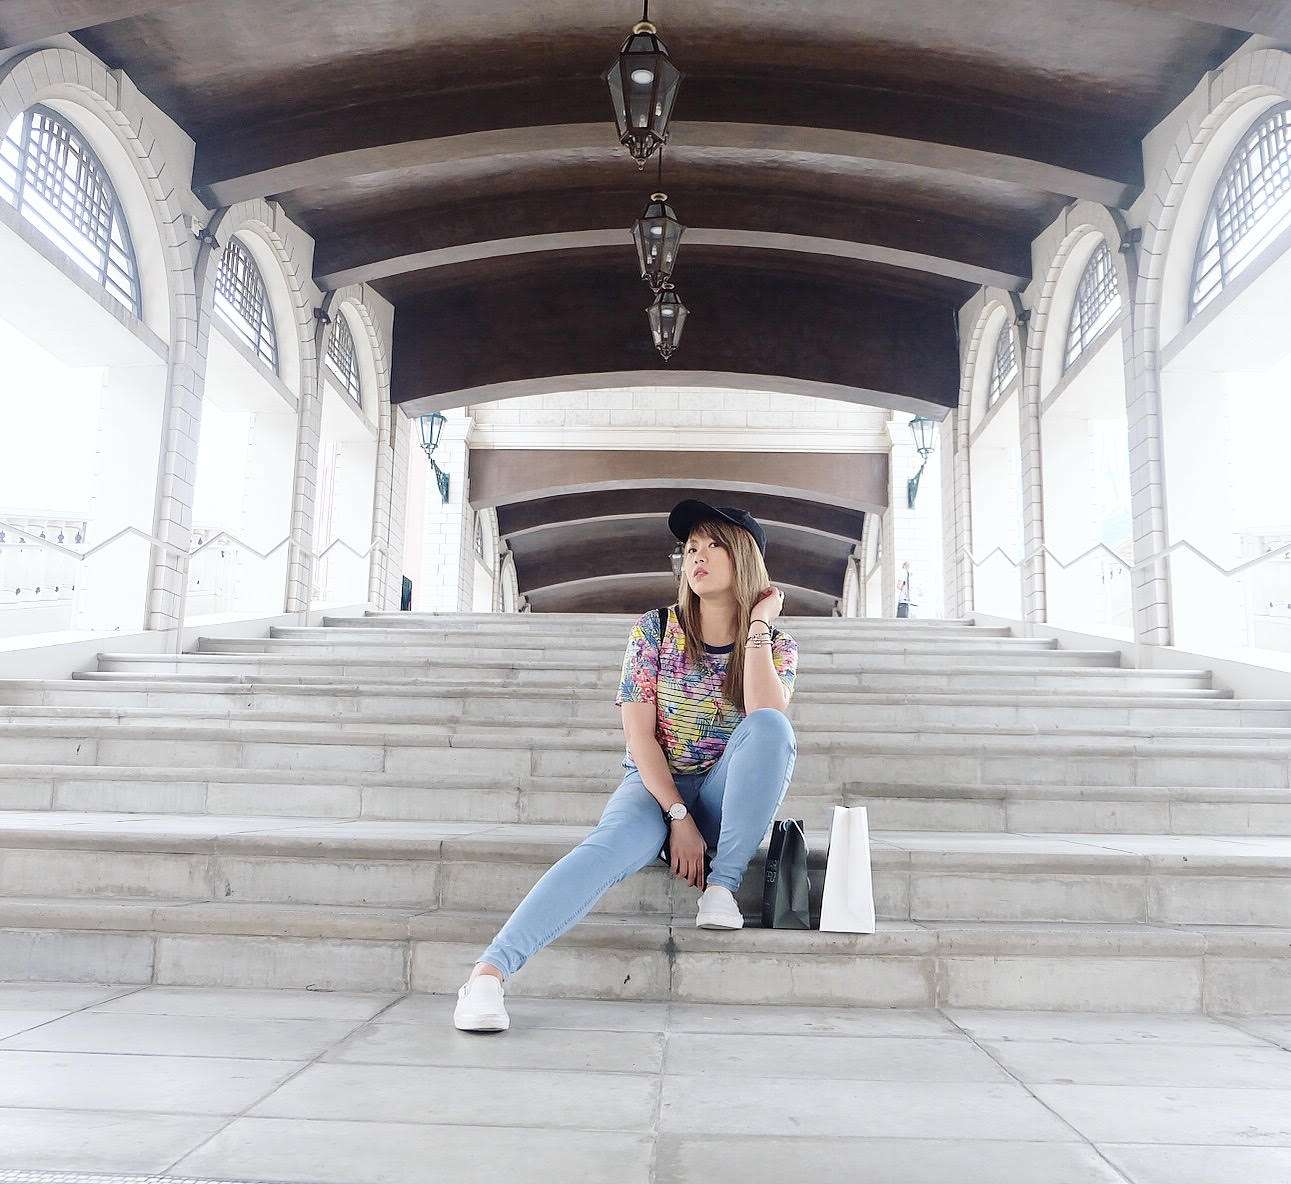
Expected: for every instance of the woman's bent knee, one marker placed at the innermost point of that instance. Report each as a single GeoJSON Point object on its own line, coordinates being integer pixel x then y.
{"type": "Point", "coordinates": [770, 723]}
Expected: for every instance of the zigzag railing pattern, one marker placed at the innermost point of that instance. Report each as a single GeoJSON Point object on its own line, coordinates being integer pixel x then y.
{"type": "Point", "coordinates": [1183, 545]}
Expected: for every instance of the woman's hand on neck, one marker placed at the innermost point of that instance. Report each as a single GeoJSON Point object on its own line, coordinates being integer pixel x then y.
{"type": "Point", "coordinates": [718, 618]}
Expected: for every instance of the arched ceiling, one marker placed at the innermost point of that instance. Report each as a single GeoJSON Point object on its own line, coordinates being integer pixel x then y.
{"type": "Point", "coordinates": [851, 171]}
{"type": "Point", "coordinates": [819, 516]}
{"type": "Point", "coordinates": [588, 529]}
{"type": "Point", "coordinates": [608, 550]}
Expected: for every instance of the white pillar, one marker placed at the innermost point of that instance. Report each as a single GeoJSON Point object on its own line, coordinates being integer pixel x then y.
{"type": "Point", "coordinates": [956, 513]}
{"type": "Point", "coordinates": [389, 501]}
{"type": "Point", "coordinates": [301, 559]}
{"type": "Point", "coordinates": [1034, 604]}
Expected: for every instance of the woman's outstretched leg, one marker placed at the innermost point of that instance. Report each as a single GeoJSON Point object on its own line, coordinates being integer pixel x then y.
{"type": "Point", "coordinates": [628, 837]}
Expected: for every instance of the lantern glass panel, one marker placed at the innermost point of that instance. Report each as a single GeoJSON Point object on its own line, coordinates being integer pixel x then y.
{"type": "Point", "coordinates": [922, 428]}
{"type": "Point", "coordinates": [431, 426]}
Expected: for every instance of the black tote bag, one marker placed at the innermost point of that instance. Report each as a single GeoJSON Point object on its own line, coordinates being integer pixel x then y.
{"type": "Point", "coordinates": [786, 889]}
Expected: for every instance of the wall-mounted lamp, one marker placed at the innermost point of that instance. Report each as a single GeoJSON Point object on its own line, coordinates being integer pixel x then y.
{"type": "Point", "coordinates": [922, 428]}
{"type": "Point", "coordinates": [432, 427]}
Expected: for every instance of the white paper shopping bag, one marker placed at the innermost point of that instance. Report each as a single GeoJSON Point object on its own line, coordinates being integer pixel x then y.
{"type": "Point", "coordinates": [848, 904]}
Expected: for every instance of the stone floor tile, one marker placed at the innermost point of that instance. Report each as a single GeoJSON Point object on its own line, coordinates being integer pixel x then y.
{"type": "Point", "coordinates": [822, 1057]}
{"type": "Point", "coordinates": [1214, 1066]}
{"type": "Point", "coordinates": [57, 996]}
{"type": "Point", "coordinates": [796, 1106]}
{"type": "Point", "coordinates": [609, 1015]}
{"type": "Point", "coordinates": [169, 1085]}
{"type": "Point", "coordinates": [1152, 1114]}
{"type": "Point", "coordinates": [520, 1048]}
{"type": "Point", "coordinates": [261, 1005]}
{"type": "Point", "coordinates": [808, 1021]}
{"type": "Point", "coordinates": [701, 1159]}
{"type": "Point", "coordinates": [1088, 1027]}
{"type": "Point", "coordinates": [399, 1153]}
{"type": "Point", "coordinates": [98, 1141]}
{"type": "Point", "coordinates": [1155, 1164]}
{"type": "Point", "coordinates": [185, 1036]}
{"type": "Point", "coordinates": [1276, 1028]}
{"type": "Point", "coordinates": [13, 1022]}
{"type": "Point", "coordinates": [510, 1097]}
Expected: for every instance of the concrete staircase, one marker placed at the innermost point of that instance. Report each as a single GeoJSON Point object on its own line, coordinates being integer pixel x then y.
{"type": "Point", "coordinates": [360, 806]}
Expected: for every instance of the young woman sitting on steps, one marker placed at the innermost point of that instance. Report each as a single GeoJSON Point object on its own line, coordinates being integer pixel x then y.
{"type": "Point", "coordinates": [704, 688]}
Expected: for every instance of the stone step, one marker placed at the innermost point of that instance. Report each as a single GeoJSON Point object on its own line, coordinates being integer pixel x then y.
{"type": "Point", "coordinates": [471, 705]}
{"type": "Point", "coordinates": [222, 671]}
{"type": "Point", "coordinates": [813, 733]}
{"type": "Point", "coordinates": [1179, 880]}
{"type": "Point", "coordinates": [1059, 967]}
{"type": "Point", "coordinates": [943, 756]}
{"type": "Point", "coordinates": [406, 641]}
{"type": "Point", "coordinates": [571, 656]}
{"type": "Point", "coordinates": [1094, 809]}
{"type": "Point", "coordinates": [1069, 663]}
{"type": "Point", "coordinates": [617, 634]}
{"type": "Point", "coordinates": [623, 621]}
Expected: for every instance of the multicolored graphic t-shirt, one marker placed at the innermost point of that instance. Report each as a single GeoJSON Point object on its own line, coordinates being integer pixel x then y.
{"type": "Point", "coordinates": [693, 719]}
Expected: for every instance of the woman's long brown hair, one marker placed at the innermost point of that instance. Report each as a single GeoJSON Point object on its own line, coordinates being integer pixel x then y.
{"type": "Point", "coordinates": [749, 581]}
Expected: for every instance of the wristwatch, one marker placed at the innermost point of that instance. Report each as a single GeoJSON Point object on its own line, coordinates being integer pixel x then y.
{"type": "Point", "coordinates": [677, 812]}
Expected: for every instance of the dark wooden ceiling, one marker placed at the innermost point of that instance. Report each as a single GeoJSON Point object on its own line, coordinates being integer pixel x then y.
{"type": "Point", "coordinates": [429, 143]}
{"type": "Point", "coordinates": [587, 549]}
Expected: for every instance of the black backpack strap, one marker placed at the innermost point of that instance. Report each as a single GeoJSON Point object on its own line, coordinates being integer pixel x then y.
{"type": "Point", "coordinates": [661, 619]}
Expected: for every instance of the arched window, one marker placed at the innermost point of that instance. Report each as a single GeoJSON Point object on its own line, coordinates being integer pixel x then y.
{"type": "Point", "coordinates": [1098, 300]}
{"type": "Point", "coordinates": [1250, 204]}
{"type": "Point", "coordinates": [1004, 369]}
{"type": "Point", "coordinates": [51, 175]}
{"type": "Point", "coordinates": [243, 301]}
{"type": "Point", "coordinates": [342, 359]}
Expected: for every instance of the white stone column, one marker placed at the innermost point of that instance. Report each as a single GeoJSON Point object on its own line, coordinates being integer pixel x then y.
{"type": "Point", "coordinates": [304, 496]}
{"type": "Point", "coordinates": [887, 566]}
{"type": "Point", "coordinates": [181, 427]}
{"type": "Point", "coordinates": [956, 511]}
{"type": "Point", "coordinates": [389, 501]}
{"type": "Point", "coordinates": [1034, 605]}
{"type": "Point", "coordinates": [1150, 588]}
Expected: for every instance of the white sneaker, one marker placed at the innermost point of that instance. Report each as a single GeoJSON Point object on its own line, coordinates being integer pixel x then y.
{"type": "Point", "coordinates": [718, 910]}
{"type": "Point", "coordinates": [480, 1007]}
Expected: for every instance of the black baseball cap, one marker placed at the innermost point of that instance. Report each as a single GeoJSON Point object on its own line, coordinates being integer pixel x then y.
{"type": "Point", "coordinates": [685, 514]}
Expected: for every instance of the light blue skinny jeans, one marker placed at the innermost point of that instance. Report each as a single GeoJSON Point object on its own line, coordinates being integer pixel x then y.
{"type": "Point", "coordinates": [756, 763]}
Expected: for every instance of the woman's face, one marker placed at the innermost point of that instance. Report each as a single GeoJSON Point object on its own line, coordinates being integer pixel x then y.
{"type": "Point", "coordinates": [708, 565]}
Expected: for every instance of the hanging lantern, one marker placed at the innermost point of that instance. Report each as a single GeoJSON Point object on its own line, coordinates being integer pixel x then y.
{"type": "Point", "coordinates": [667, 317]}
{"type": "Point", "coordinates": [657, 234]}
{"type": "Point", "coordinates": [643, 86]}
